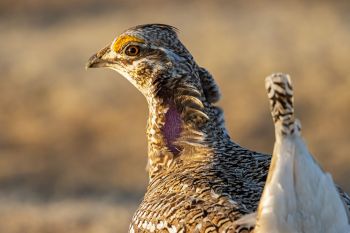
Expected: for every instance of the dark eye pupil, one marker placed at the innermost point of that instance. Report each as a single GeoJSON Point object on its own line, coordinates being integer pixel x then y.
{"type": "Point", "coordinates": [132, 50]}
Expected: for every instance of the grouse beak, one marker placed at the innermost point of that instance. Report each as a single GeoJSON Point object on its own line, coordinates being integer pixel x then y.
{"type": "Point", "coordinates": [94, 62]}
{"type": "Point", "coordinates": [99, 59]}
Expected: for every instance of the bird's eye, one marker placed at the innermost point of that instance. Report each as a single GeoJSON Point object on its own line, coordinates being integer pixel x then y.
{"type": "Point", "coordinates": [132, 50]}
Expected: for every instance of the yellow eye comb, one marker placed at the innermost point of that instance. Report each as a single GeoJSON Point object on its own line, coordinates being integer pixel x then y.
{"type": "Point", "coordinates": [119, 43]}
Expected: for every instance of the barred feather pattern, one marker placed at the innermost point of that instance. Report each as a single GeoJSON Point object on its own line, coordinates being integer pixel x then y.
{"type": "Point", "coordinates": [210, 88]}
{"type": "Point", "coordinates": [205, 182]}
{"type": "Point", "coordinates": [280, 94]}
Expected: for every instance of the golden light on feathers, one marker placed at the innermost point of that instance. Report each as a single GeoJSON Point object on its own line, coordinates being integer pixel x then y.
{"type": "Point", "coordinates": [121, 41]}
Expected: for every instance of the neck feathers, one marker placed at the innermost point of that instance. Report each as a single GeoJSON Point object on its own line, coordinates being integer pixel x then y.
{"type": "Point", "coordinates": [176, 124]}
{"type": "Point", "coordinates": [181, 117]}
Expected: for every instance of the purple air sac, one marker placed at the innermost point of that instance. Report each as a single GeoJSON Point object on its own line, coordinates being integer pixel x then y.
{"type": "Point", "coordinates": [172, 128]}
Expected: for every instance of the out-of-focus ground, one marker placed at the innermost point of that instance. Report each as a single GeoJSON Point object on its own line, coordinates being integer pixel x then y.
{"type": "Point", "coordinates": [72, 142]}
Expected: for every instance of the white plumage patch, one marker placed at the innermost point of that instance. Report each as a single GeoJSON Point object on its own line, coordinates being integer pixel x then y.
{"type": "Point", "coordinates": [298, 197]}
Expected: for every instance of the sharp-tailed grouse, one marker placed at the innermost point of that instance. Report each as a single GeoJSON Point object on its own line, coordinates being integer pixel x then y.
{"type": "Point", "coordinates": [200, 181]}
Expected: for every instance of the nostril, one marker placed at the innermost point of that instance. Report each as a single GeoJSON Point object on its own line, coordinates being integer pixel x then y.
{"type": "Point", "coordinates": [103, 51]}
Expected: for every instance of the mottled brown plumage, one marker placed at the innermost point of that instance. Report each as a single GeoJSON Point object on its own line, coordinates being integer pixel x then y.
{"type": "Point", "coordinates": [200, 181]}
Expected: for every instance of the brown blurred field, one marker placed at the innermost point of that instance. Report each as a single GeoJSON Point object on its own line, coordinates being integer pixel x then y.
{"type": "Point", "coordinates": [72, 142]}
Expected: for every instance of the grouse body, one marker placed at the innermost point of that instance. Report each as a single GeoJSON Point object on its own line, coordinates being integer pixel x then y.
{"type": "Point", "coordinates": [200, 180]}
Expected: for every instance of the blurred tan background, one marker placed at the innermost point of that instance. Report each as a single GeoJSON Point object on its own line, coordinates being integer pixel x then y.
{"type": "Point", "coordinates": [72, 142]}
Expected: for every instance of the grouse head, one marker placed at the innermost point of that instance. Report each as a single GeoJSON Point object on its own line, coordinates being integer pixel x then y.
{"type": "Point", "coordinates": [147, 55]}
{"type": "Point", "coordinates": [154, 60]}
